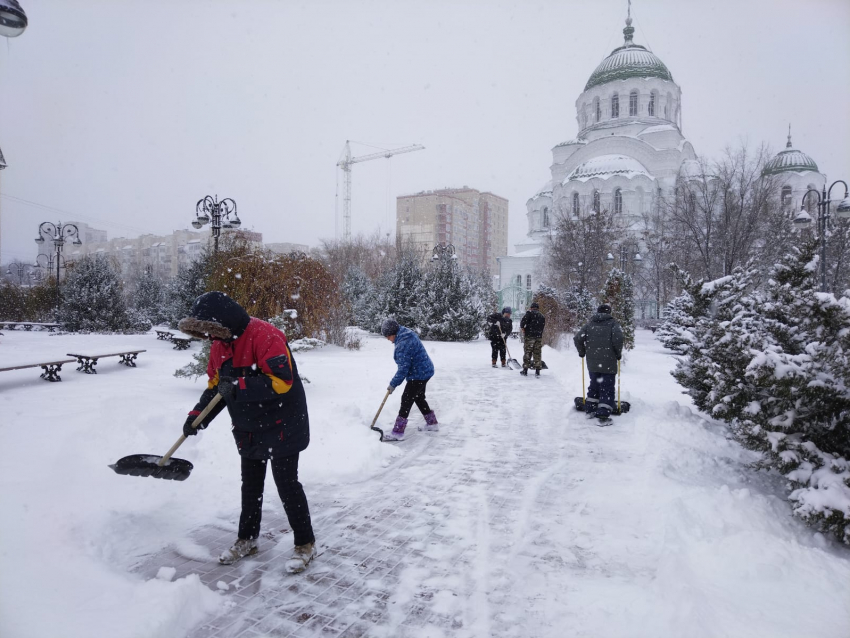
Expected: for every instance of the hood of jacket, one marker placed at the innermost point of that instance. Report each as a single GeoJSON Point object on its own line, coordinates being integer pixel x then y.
{"type": "Point", "coordinates": [215, 315]}
{"type": "Point", "coordinates": [601, 317]}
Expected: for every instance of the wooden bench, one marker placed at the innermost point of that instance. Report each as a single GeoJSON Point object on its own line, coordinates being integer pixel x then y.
{"type": "Point", "coordinates": [164, 335]}
{"type": "Point", "coordinates": [51, 368]}
{"type": "Point", "coordinates": [180, 343]}
{"type": "Point", "coordinates": [89, 361]}
{"type": "Point", "coordinates": [29, 325]}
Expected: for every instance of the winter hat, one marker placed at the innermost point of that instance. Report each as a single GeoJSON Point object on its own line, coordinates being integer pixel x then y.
{"type": "Point", "coordinates": [534, 305]}
{"type": "Point", "coordinates": [215, 315]}
{"type": "Point", "coordinates": [506, 309]}
{"type": "Point", "coordinates": [389, 327]}
{"type": "Point", "coordinates": [604, 309]}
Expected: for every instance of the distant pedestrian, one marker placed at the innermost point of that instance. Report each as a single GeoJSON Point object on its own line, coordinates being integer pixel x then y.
{"type": "Point", "coordinates": [414, 366]}
{"type": "Point", "coordinates": [501, 327]}
{"type": "Point", "coordinates": [532, 326]}
{"type": "Point", "coordinates": [252, 368]}
{"type": "Point", "coordinates": [601, 343]}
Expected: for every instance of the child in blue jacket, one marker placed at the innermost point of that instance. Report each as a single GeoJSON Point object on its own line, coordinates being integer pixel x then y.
{"type": "Point", "coordinates": [414, 365]}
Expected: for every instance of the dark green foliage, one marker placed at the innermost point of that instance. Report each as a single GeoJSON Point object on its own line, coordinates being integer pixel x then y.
{"type": "Point", "coordinates": [618, 292]}
{"type": "Point", "coordinates": [181, 292]}
{"type": "Point", "coordinates": [92, 298]}
{"type": "Point", "coordinates": [147, 298]}
{"type": "Point", "coordinates": [449, 308]}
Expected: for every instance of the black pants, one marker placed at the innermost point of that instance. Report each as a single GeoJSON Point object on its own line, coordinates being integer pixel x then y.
{"type": "Point", "coordinates": [600, 393]}
{"type": "Point", "coordinates": [285, 473]}
{"type": "Point", "coordinates": [414, 392]}
{"type": "Point", "coordinates": [498, 349]}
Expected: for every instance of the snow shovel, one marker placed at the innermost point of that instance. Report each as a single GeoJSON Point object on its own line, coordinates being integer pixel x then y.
{"type": "Point", "coordinates": [513, 364]}
{"type": "Point", "coordinates": [162, 467]}
{"type": "Point", "coordinates": [622, 406]}
{"type": "Point", "coordinates": [375, 420]}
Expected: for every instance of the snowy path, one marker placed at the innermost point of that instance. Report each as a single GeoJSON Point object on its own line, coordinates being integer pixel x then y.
{"type": "Point", "coordinates": [521, 518]}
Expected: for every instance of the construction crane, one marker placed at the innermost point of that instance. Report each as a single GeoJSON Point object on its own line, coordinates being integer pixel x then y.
{"type": "Point", "coordinates": [345, 164]}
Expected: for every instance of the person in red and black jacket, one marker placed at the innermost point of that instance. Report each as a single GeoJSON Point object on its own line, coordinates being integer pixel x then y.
{"type": "Point", "coordinates": [252, 368]}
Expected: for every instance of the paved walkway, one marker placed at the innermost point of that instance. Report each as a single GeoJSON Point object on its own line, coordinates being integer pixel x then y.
{"type": "Point", "coordinates": [464, 536]}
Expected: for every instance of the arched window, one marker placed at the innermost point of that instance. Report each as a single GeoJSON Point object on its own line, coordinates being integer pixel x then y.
{"type": "Point", "coordinates": [519, 281]}
{"type": "Point", "coordinates": [786, 195]}
{"type": "Point", "coordinates": [598, 108]}
{"type": "Point", "coordinates": [618, 201]}
{"type": "Point", "coordinates": [596, 201]}
{"type": "Point", "coordinates": [651, 105]}
{"type": "Point", "coordinates": [640, 199]}
{"type": "Point", "coordinates": [528, 281]}
{"type": "Point", "coordinates": [576, 208]}
{"type": "Point", "coordinates": [668, 104]}
{"type": "Point", "coordinates": [545, 218]}
{"type": "Point", "coordinates": [615, 106]}
{"type": "Point", "coordinates": [633, 103]}
{"type": "Point", "coordinates": [810, 201]}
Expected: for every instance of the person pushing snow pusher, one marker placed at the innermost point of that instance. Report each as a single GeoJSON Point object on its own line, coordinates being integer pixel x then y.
{"type": "Point", "coordinates": [600, 342]}
{"type": "Point", "coordinates": [501, 327]}
{"type": "Point", "coordinates": [532, 326]}
{"type": "Point", "coordinates": [415, 366]}
{"type": "Point", "coordinates": [252, 368]}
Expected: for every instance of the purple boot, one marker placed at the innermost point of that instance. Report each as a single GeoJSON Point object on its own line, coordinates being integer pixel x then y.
{"type": "Point", "coordinates": [397, 433]}
{"type": "Point", "coordinates": [431, 424]}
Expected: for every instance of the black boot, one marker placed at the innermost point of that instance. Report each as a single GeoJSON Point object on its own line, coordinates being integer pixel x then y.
{"type": "Point", "coordinates": [524, 372]}
{"type": "Point", "coordinates": [537, 373]}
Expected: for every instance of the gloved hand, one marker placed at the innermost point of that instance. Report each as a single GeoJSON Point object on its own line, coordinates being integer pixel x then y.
{"type": "Point", "coordinates": [188, 430]}
{"type": "Point", "coordinates": [227, 387]}
{"type": "Point", "coordinates": [390, 389]}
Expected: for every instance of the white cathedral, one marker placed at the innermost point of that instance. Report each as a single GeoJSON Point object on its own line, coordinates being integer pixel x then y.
{"type": "Point", "coordinates": [629, 150]}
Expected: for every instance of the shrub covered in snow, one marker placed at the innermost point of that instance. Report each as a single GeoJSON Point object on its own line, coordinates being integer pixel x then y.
{"type": "Point", "coordinates": [93, 299]}
{"type": "Point", "coordinates": [449, 307]}
{"type": "Point", "coordinates": [618, 292]}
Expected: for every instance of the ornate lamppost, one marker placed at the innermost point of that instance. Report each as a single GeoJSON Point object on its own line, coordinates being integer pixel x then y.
{"type": "Point", "coordinates": [628, 253]}
{"type": "Point", "coordinates": [58, 234]}
{"type": "Point", "coordinates": [804, 220]}
{"type": "Point", "coordinates": [217, 213]}
{"type": "Point", "coordinates": [17, 268]}
{"type": "Point", "coordinates": [443, 252]}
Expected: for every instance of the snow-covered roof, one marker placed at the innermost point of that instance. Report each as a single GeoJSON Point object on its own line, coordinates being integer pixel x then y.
{"type": "Point", "coordinates": [658, 128]}
{"type": "Point", "coordinates": [628, 61]}
{"type": "Point", "coordinates": [543, 191]}
{"type": "Point", "coordinates": [791, 160]}
{"type": "Point", "coordinates": [577, 140]}
{"type": "Point", "coordinates": [606, 166]}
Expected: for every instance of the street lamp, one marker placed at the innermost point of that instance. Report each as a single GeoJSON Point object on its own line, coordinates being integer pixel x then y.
{"type": "Point", "coordinates": [18, 268]}
{"type": "Point", "coordinates": [13, 20]}
{"type": "Point", "coordinates": [443, 252]}
{"type": "Point", "coordinates": [804, 220]}
{"type": "Point", "coordinates": [58, 234]}
{"type": "Point", "coordinates": [625, 251]}
{"type": "Point", "coordinates": [210, 210]}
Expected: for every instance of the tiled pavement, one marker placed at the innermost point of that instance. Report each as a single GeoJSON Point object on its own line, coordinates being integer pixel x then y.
{"type": "Point", "coordinates": [426, 548]}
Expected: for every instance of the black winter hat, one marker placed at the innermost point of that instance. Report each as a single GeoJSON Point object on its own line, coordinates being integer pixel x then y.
{"type": "Point", "coordinates": [506, 309]}
{"type": "Point", "coordinates": [534, 305]}
{"type": "Point", "coordinates": [389, 327]}
{"type": "Point", "coordinates": [604, 309]}
{"type": "Point", "coordinates": [215, 315]}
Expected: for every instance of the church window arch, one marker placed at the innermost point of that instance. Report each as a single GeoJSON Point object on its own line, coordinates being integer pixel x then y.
{"type": "Point", "coordinates": [668, 106]}
{"type": "Point", "coordinates": [596, 206]}
{"type": "Point", "coordinates": [576, 208]}
{"type": "Point", "coordinates": [597, 107]}
{"type": "Point", "coordinates": [615, 105]}
{"type": "Point", "coordinates": [653, 99]}
{"type": "Point", "coordinates": [519, 281]}
{"type": "Point", "coordinates": [618, 201]}
{"type": "Point", "coordinates": [639, 191]}
{"type": "Point", "coordinates": [545, 217]}
{"type": "Point", "coordinates": [528, 281]}
{"type": "Point", "coordinates": [633, 103]}
{"type": "Point", "coordinates": [786, 195]}
{"type": "Point", "coordinates": [810, 201]}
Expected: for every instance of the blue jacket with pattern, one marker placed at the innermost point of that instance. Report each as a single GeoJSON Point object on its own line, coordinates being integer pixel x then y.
{"type": "Point", "coordinates": [413, 362]}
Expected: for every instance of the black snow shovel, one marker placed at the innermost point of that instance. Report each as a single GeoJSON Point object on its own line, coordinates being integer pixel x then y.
{"type": "Point", "coordinates": [162, 467]}
{"type": "Point", "coordinates": [375, 420]}
{"type": "Point", "coordinates": [622, 406]}
{"type": "Point", "coordinates": [513, 364]}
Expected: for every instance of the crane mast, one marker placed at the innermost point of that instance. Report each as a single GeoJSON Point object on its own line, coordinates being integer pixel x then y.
{"type": "Point", "coordinates": [345, 164]}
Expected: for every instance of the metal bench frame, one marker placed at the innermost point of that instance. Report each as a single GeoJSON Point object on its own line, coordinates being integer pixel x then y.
{"type": "Point", "coordinates": [164, 335]}
{"type": "Point", "coordinates": [88, 361]}
{"type": "Point", "coordinates": [51, 368]}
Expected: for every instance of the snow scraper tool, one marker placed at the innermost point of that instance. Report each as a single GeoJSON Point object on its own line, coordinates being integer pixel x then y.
{"type": "Point", "coordinates": [162, 467]}
{"type": "Point", "coordinates": [513, 364]}
{"type": "Point", "coordinates": [622, 406]}
{"type": "Point", "coordinates": [377, 414]}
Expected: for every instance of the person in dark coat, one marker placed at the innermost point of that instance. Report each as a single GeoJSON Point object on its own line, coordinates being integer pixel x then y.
{"type": "Point", "coordinates": [601, 343]}
{"type": "Point", "coordinates": [532, 326]}
{"type": "Point", "coordinates": [252, 368]}
{"type": "Point", "coordinates": [415, 366]}
{"type": "Point", "coordinates": [501, 327]}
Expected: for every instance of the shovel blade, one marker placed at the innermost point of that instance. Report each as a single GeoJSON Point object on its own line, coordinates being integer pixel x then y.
{"type": "Point", "coordinates": [625, 406]}
{"type": "Point", "coordinates": [513, 364]}
{"type": "Point", "coordinates": [147, 465]}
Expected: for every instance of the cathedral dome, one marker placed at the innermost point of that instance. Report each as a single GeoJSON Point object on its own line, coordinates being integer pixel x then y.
{"type": "Point", "coordinates": [790, 161]}
{"type": "Point", "coordinates": [629, 61]}
{"type": "Point", "coordinates": [605, 166]}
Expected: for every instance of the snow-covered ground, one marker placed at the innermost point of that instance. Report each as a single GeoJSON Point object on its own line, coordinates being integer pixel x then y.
{"type": "Point", "coordinates": [520, 518]}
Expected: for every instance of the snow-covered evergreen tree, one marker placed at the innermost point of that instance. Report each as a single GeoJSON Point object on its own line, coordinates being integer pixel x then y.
{"type": "Point", "coordinates": [357, 290]}
{"type": "Point", "coordinates": [618, 292]}
{"type": "Point", "coordinates": [581, 303]}
{"type": "Point", "coordinates": [449, 306]}
{"type": "Point", "coordinates": [148, 297]}
{"type": "Point", "coordinates": [181, 292]}
{"type": "Point", "coordinates": [92, 298]}
{"type": "Point", "coordinates": [396, 295]}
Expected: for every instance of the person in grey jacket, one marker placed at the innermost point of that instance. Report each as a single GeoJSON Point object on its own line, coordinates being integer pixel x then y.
{"type": "Point", "coordinates": [600, 342]}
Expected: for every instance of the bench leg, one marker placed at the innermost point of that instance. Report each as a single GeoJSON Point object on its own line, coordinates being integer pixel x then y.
{"type": "Point", "coordinates": [86, 365]}
{"type": "Point", "coordinates": [129, 360]}
{"type": "Point", "coordinates": [51, 372]}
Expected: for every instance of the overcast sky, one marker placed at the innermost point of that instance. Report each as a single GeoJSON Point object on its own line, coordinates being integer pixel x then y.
{"type": "Point", "coordinates": [124, 113]}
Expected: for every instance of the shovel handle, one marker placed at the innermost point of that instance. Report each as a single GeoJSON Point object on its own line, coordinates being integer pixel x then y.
{"type": "Point", "coordinates": [195, 424]}
{"type": "Point", "coordinates": [386, 396]}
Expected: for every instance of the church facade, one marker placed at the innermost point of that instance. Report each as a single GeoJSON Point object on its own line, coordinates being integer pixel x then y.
{"type": "Point", "coordinates": [629, 151]}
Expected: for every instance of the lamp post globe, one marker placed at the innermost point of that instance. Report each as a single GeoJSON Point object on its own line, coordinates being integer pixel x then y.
{"type": "Point", "coordinates": [13, 20]}
{"type": "Point", "coordinates": [843, 209]}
